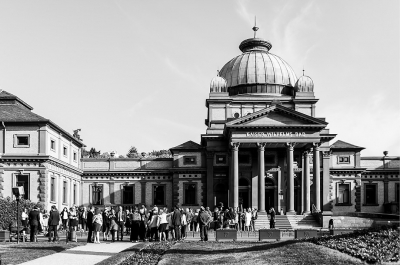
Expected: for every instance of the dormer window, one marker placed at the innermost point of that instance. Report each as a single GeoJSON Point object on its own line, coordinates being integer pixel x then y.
{"type": "Point", "coordinates": [21, 140]}
{"type": "Point", "coordinates": [343, 159]}
{"type": "Point", "coordinates": [190, 160]}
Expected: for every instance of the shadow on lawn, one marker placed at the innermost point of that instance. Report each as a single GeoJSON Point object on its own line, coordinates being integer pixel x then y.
{"type": "Point", "coordinates": [52, 248]}
{"type": "Point", "coordinates": [262, 246]}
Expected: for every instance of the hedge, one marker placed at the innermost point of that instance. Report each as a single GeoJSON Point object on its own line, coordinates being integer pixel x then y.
{"type": "Point", "coordinates": [8, 210]}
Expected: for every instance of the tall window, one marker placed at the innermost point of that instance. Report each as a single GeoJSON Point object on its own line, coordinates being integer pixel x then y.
{"type": "Point", "coordinates": [371, 195]}
{"type": "Point", "coordinates": [97, 194]}
{"type": "Point", "coordinates": [343, 194]}
{"type": "Point", "coordinates": [53, 145]}
{"type": "Point", "coordinates": [65, 151]}
{"type": "Point", "coordinates": [52, 189]}
{"type": "Point", "coordinates": [127, 195]}
{"type": "Point", "coordinates": [23, 180]}
{"type": "Point", "coordinates": [64, 191]}
{"type": "Point", "coordinates": [74, 156]}
{"type": "Point", "coordinates": [190, 193]}
{"type": "Point", "coordinates": [74, 199]}
{"type": "Point", "coordinates": [159, 195]}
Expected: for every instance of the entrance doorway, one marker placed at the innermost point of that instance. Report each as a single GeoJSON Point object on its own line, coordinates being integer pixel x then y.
{"type": "Point", "coordinates": [244, 201]}
{"type": "Point", "coordinates": [269, 194]}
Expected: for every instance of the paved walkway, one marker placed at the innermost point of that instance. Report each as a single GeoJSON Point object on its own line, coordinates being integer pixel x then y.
{"type": "Point", "coordinates": [88, 254]}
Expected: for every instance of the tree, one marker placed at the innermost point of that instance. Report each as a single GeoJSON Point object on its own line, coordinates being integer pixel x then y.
{"type": "Point", "coordinates": [132, 153]}
{"type": "Point", "coordinates": [160, 153]}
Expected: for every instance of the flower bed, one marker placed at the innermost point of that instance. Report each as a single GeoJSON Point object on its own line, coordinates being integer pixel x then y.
{"type": "Point", "coordinates": [150, 254]}
{"type": "Point", "coordinates": [370, 245]}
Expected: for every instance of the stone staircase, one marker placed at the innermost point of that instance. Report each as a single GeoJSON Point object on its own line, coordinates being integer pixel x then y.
{"type": "Point", "coordinates": [302, 221]}
{"type": "Point", "coordinates": [281, 222]}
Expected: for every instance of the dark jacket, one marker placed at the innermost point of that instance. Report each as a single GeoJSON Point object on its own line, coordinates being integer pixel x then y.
{"type": "Point", "coordinates": [34, 217]}
{"type": "Point", "coordinates": [176, 218]}
{"type": "Point", "coordinates": [54, 217]}
{"type": "Point", "coordinates": [204, 218]}
{"type": "Point", "coordinates": [89, 217]}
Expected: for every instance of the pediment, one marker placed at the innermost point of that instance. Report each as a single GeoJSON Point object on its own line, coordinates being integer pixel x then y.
{"type": "Point", "coordinates": [277, 116]}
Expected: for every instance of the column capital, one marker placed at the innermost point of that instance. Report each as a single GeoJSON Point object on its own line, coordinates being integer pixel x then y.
{"type": "Point", "coordinates": [261, 146]}
{"type": "Point", "coordinates": [235, 146]}
{"type": "Point", "coordinates": [316, 146]}
{"type": "Point", "coordinates": [326, 154]}
{"type": "Point", "coordinates": [290, 146]}
{"type": "Point", "coordinates": [307, 152]}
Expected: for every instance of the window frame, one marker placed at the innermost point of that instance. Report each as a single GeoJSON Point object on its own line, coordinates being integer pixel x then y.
{"type": "Point", "coordinates": [337, 194]}
{"type": "Point", "coordinates": [74, 156]}
{"type": "Point", "coordinates": [52, 141]}
{"type": "Point", "coordinates": [376, 203]}
{"type": "Point", "coordinates": [27, 191]}
{"type": "Point", "coordinates": [190, 157]}
{"type": "Point", "coordinates": [65, 151]}
{"type": "Point", "coordinates": [64, 191]}
{"type": "Point", "coordinates": [133, 194]}
{"type": "Point", "coordinates": [74, 193]}
{"type": "Point", "coordinates": [16, 145]}
{"type": "Point", "coordinates": [339, 157]}
{"type": "Point", "coordinates": [186, 184]}
{"type": "Point", "coordinates": [165, 194]}
{"type": "Point", "coordinates": [52, 189]}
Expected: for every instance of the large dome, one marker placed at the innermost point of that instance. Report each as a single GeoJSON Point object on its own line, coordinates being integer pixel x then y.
{"type": "Point", "coordinates": [257, 70]}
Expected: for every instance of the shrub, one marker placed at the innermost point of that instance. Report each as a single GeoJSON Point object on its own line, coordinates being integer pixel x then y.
{"type": "Point", "coordinates": [8, 210]}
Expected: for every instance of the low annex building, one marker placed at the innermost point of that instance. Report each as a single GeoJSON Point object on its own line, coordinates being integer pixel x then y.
{"type": "Point", "coordinates": [263, 147]}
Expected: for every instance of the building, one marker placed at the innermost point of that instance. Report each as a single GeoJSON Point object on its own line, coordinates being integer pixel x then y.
{"type": "Point", "coordinates": [263, 147]}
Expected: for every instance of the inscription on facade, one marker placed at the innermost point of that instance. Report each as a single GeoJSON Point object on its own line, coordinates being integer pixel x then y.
{"type": "Point", "coordinates": [275, 134]}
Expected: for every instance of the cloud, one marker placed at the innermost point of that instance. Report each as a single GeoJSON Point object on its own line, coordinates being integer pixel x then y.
{"type": "Point", "coordinates": [243, 12]}
{"type": "Point", "coordinates": [179, 71]}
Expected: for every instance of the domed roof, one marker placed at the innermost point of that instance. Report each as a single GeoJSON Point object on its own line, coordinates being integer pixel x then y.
{"type": "Point", "coordinates": [304, 84]}
{"type": "Point", "coordinates": [218, 84]}
{"type": "Point", "coordinates": [257, 70]}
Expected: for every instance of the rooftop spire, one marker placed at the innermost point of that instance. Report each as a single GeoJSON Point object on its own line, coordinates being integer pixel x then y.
{"type": "Point", "coordinates": [303, 70]}
{"type": "Point", "coordinates": [255, 28]}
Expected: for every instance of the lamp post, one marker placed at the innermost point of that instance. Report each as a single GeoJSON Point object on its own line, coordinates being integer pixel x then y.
{"type": "Point", "coordinates": [18, 192]}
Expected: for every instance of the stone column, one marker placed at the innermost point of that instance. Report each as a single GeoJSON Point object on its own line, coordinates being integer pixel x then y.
{"type": "Point", "coordinates": [306, 176]}
{"type": "Point", "coordinates": [326, 183]}
{"type": "Point", "coordinates": [385, 190]}
{"type": "Point", "coordinates": [235, 186]}
{"type": "Point", "coordinates": [210, 180]}
{"type": "Point", "coordinates": [290, 176]}
{"type": "Point", "coordinates": [316, 173]}
{"type": "Point", "coordinates": [261, 177]}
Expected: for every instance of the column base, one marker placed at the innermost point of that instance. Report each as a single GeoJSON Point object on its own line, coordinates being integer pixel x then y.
{"type": "Point", "coordinates": [291, 213]}
{"type": "Point", "coordinates": [307, 212]}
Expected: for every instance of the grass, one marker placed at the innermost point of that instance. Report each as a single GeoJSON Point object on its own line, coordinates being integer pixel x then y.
{"type": "Point", "coordinates": [123, 255]}
{"type": "Point", "coordinates": [286, 252]}
{"type": "Point", "coordinates": [13, 253]}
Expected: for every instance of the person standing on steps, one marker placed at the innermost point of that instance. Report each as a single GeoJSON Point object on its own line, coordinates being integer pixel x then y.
{"type": "Point", "coordinates": [272, 220]}
{"type": "Point", "coordinates": [90, 224]}
{"type": "Point", "coordinates": [54, 220]}
{"type": "Point", "coordinates": [121, 219]}
{"type": "Point", "coordinates": [204, 221]}
{"type": "Point", "coordinates": [176, 222]}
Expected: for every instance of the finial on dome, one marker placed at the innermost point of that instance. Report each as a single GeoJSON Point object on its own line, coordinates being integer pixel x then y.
{"type": "Point", "coordinates": [217, 72]}
{"type": "Point", "coordinates": [303, 70]}
{"type": "Point", "coordinates": [255, 28]}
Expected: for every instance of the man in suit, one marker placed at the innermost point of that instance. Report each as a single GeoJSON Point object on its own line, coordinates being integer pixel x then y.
{"type": "Point", "coordinates": [54, 220]}
{"type": "Point", "coordinates": [176, 222]}
{"type": "Point", "coordinates": [121, 219]}
{"type": "Point", "coordinates": [34, 221]}
{"type": "Point", "coordinates": [89, 216]}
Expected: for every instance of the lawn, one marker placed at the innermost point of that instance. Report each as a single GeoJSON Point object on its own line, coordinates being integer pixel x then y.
{"type": "Point", "coordinates": [13, 253]}
{"type": "Point", "coordinates": [286, 252]}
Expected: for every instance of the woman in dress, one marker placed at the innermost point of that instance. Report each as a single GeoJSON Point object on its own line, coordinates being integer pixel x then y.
{"type": "Point", "coordinates": [97, 223]}
{"type": "Point", "coordinates": [64, 218]}
{"type": "Point", "coordinates": [73, 219]}
{"type": "Point", "coordinates": [163, 222]}
{"type": "Point", "coordinates": [113, 226]}
{"type": "Point", "coordinates": [247, 219]}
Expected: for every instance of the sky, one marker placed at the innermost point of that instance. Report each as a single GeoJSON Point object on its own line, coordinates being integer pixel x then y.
{"type": "Point", "coordinates": [137, 73]}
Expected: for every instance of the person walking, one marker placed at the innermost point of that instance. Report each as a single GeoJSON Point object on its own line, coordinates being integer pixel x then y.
{"type": "Point", "coordinates": [90, 215]}
{"type": "Point", "coordinates": [204, 220]}
{"type": "Point", "coordinates": [54, 220]}
{"type": "Point", "coordinates": [135, 219]}
{"type": "Point", "coordinates": [97, 222]}
{"type": "Point", "coordinates": [34, 221]}
{"type": "Point", "coordinates": [177, 223]}
{"type": "Point", "coordinates": [272, 220]}
{"type": "Point", "coordinates": [121, 219]}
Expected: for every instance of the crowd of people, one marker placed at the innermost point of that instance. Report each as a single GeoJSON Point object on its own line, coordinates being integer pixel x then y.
{"type": "Point", "coordinates": [140, 223]}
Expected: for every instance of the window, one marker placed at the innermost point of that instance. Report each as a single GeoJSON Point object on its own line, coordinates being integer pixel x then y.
{"type": "Point", "coordinates": [64, 191]}
{"type": "Point", "coordinates": [75, 156]}
{"type": "Point", "coordinates": [343, 194]}
{"type": "Point", "coordinates": [23, 180]}
{"type": "Point", "coordinates": [74, 198]}
{"type": "Point", "coordinates": [220, 159]}
{"type": "Point", "coordinates": [244, 159]}
{"type": "Point", "coordinates": [189, 160]}
{"type": "Point", "coordinates": [343, 159]}
{"type": "Point", "coordinates": [127, 195]}
{"type": "Point", "coordinates": [53, 145]}
{"type": "Point", "coordinates": [189, 193]}
{"type": "Point", "coordinates": [159, 195]}
{"type": "Point", "coordinates": [52, 189]}
{"type": "Point", "coordinates": [21, 140]}
{"type": "Point", "coordinates": [65, 151]}
{"type": "Point", "coordinates": [97, 194]}
{"type": "Point", "coordinates": [371, 196]}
